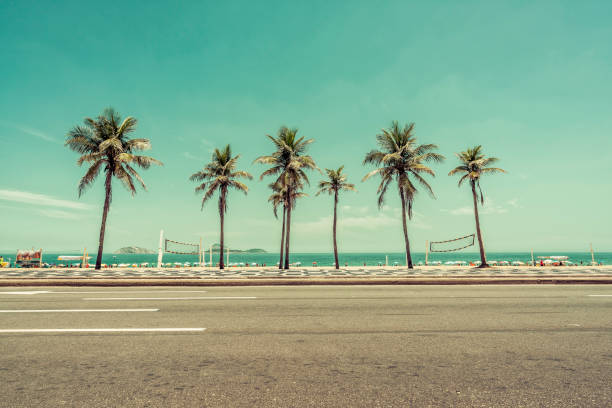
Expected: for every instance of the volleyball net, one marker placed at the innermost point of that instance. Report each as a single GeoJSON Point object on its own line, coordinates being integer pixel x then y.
{"type": "Point", "coordinates": [452, 245]}
{"type": "Point", "coordinates": [181, 248]}
{"type": "Point", "coordinates": [170, 246]}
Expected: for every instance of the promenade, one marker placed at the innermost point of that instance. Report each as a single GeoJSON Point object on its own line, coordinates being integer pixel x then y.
{"type": "Point", "coordinates": [315, 272]}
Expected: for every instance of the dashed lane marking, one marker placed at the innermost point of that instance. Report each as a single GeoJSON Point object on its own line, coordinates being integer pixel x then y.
{"type": "Point", "coordinates": [76, 310]}
{"type": "Point", "coordinates": [106, 330]}
{"type": "Point", "coordinates": [131, 291]}
{"type": "Point", "coordinates": [175, 298]}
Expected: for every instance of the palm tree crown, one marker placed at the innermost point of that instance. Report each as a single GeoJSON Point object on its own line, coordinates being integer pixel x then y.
{"type": "Point", "coordinates": [474, 164]}
{"type": "Point", "coordinates": [280, 196]}
{"type": "Point", "coordinates": [401, 158]}
{"type": "Point", "coordinates": [336, 182]}
{"type": "Point", "coordinates": [220, 175]}
{"type": "Point", "coordinates": [105, 143]}
{"type": "Point", "coordinates": [289, 160]}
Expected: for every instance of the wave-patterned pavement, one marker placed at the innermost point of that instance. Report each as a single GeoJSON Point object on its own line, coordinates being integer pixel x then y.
{"type": "Point", "coordinates": [303, 272]}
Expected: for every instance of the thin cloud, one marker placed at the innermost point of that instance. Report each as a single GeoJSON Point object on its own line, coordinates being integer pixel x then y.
{"type": "Point", "coordinates": [190, 156]}
{"type": "Point", "coordinates": [29, 131]}
{"type": "Point", "coordinates": [488, 208]}
{"type": "Point", "coordinates": [59, 214]}
{"type": "Point", "coordinates": [388, 217]}
{"type": "Point", "coordinates": [514, 203]}
{"type": "Point", "coordinates": [40, 199]}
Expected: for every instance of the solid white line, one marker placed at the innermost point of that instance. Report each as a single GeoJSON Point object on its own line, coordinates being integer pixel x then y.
{"type": "Point", "coordinates": [76, 310]}
{"type": "Point", "coordinates": [600, 295]}
{"type": "Point", "coordinates": [30, 292]}
{"type": "Point", "coordinates": [174, 298]}
{"type": "Point", "coordinates": [179, 329]}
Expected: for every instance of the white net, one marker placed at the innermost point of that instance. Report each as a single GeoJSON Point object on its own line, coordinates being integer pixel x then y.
{"type": "Point", "coordinates": [183, 248]}
{"type": "Point", "coordinates": [452, 245]}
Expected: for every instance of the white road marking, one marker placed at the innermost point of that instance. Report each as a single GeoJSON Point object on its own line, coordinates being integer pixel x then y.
{"type": "Point", "coordinates": [600, 295]}
{"type": "Point", "coordinates": [174, 298]}
{"type": "Point", "coordinates": [130, 329]}
{"type": "Point", "coordinates": [574, 324]}
{"type": "Point", "coordinates": [135, 291]}
{"type": "Point", "coordinates": [76, 310]}
{"type": "Point", "coordinates": [31, 292]}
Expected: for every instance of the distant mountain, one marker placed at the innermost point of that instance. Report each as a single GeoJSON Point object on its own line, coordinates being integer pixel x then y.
{"type": "Point", "coordinates": [133, 250]}
{"type": "Point", "coordinates": [215, 248]}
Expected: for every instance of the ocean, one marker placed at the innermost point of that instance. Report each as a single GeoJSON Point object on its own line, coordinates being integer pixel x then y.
{"type": "Point", "coordinates": [327, 259]}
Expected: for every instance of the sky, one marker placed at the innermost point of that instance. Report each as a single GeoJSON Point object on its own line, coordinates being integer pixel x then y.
{"type": "Point", "coordinates": [530, 81]}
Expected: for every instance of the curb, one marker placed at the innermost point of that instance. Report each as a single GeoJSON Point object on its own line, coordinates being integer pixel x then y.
{"type": "Point", "coordinates": [301, 281]}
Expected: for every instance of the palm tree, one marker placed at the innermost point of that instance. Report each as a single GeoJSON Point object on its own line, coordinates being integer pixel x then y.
{"type": "Point", "coordinates": [400, 158]}
{"type": "Point", "coordinates": [278, 198]}
{"type": "Point", "coordinates": [473, 165]}
{"type": "Point", "coordinates": [288, 163]}
{"type": "Point", "coordinates": [220, 175]}
{"type": "Point", "coordinates": [336, 182]}
{"type": "Point", "coordinates": [104, 144]}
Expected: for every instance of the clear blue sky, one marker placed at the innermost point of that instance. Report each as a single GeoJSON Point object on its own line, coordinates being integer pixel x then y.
{"type": "Point", "coordinates": [530, 81]}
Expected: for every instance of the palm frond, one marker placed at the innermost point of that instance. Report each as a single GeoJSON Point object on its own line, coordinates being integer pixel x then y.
{"type": "Point", "coordinates": [90, 176]}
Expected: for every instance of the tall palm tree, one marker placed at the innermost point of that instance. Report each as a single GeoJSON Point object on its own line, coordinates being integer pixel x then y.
{"type": "Point", "coordinates": [336, 182]}
{"type": "Point", "coordinates": [279, 198]}
{"type": "Point", "coordinates": [402, 159]}
{"type": "Point", "coordinates": [473, 165]}
{"type": "Point", "coordinates": [288, 163]}
{"type": "Point", "coordinates": [220, 175]}
{"type": "Point", "coordinates": [105, 145]}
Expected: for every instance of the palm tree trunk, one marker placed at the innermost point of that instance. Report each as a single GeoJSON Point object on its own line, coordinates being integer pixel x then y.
{"type": "Point", "coordinates": [280, 262]}
{"type": "Point", "coordinates": [288, 230]}
{"type": "Point", "coordinates": [408, 256]}
{"type": "Point", "coordinates": [222, 219]}
{"type": "Point", "coordinates": [483, 258]}
{"type": "Point", "coordinates": [335, 245]}
{"type": "Point", "coordinates": [107, 200]}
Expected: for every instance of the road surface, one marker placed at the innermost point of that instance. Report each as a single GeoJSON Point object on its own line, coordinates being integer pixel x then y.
{"type": "Point", "coordinates": [321, 346]}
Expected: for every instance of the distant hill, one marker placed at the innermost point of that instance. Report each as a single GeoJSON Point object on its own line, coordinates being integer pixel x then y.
{"type": "Point", "coordinates": [133, 250]}
{"type": "Point", "coordinates": [215, 249]}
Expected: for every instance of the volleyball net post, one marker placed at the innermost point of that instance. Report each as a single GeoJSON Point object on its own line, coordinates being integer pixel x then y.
{"type": "Point", "coordinates": [160, 253]}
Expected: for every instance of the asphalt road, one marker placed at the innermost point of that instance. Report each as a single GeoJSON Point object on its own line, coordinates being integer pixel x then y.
{"type": "Point", "coordinates": [322, 346]}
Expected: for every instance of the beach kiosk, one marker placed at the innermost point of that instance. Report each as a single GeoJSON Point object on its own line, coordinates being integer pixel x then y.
{"type": "Point", "coordinates": [28, 258]}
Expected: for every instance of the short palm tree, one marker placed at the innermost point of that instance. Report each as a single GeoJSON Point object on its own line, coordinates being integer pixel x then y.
{"type": "Point", "coordinates": [220, 175]}
{"type": "Point", "coordinates": [288, 162]}
{"type": "Point", "coordinates": [401, 159]}
{"type": "Point", "coordinates": [279, 198]}
{"type": "Point", "coordinates": [473, 165]}
{"type": "Point", "coordinates": [105, 145]}
{"type": "Point", "coordinates": [336, 182]}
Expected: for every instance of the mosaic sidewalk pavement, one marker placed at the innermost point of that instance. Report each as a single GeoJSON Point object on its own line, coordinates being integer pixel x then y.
{"type": "Point", "coordinates": [301, 272]}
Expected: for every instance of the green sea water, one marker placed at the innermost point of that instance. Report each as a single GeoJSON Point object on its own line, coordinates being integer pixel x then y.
{"type": "Point", "coordinates": [327, 259]}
